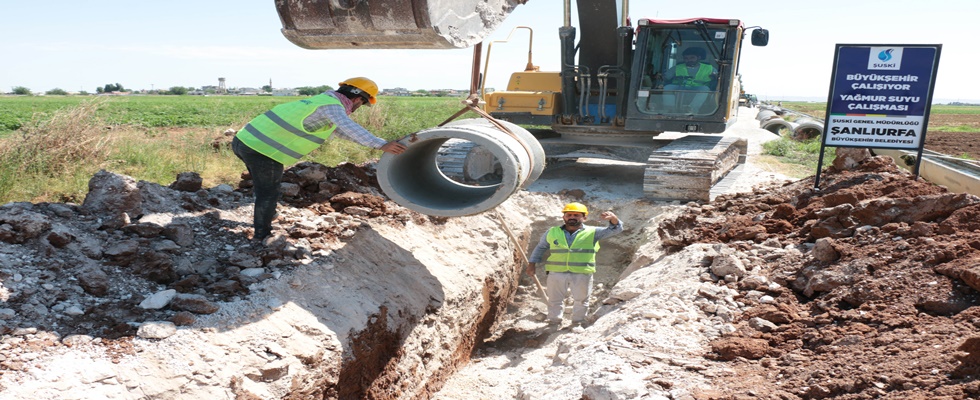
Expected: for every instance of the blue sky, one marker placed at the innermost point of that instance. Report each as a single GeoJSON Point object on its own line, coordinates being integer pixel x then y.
{"type": "Point", "coordinates": [76, 45]}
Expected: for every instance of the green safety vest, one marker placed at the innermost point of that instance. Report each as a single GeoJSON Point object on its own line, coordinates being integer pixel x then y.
{"type": "Point", "coordinates": [279, 133]}
{"type": "Point", "coordinates": [579, 257]}
{"type": "Point", "coordinates": [700, 79]}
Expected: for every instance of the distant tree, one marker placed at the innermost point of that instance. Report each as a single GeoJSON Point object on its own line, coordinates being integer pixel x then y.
{"type": "Point", "coordinates": [177, 90]}
{"type": "Point", "coordinates": [56, 92]}
{"type": "Point", "coordinates": [83, 93]}
{"type": "Point", "coordinates": [109, 88]}
{"type": "Point", "coordinates": [313, 91]}
{"type": "Point", "coordinates": [267, 88]}
{"type": "Point", "coordinates": [22, 90]}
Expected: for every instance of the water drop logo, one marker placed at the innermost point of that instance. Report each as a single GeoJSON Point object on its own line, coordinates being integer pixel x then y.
{"type": "Point", "coordinates": [885, 58]}
{"type": "Point", "coordinates": [885, 55]}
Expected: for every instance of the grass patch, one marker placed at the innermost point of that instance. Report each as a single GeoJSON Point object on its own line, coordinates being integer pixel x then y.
{"type": "Point", "coordinates": [782, 166]}
{"type": "Point", "coordinates": [60, 142]}
{"type": "Point", "coordinates": [953, 128]}
{"type": "Point", "coordinates": [47, 158]}
{"type": "Point", "coordinates": [788, 152]}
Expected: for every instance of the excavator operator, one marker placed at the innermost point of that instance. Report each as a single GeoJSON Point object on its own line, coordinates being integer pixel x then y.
{"type": "Point", "coordinates": [692, 75]}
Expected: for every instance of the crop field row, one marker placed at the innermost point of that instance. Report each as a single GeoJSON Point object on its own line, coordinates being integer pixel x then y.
{"type": "Point", "coordinates": [212, 111]}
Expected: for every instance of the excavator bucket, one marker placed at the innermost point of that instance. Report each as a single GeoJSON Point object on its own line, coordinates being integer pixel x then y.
{"type": "Point", "coordinates": [390, 24]}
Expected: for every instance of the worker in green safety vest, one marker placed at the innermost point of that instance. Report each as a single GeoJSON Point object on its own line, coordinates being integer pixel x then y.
{"type": "Point", "coordinates": [289, 131]}
{"type": "Point", "coordinates": [691, 75]}
{"type": "Point", "coordinates": [572, 260]}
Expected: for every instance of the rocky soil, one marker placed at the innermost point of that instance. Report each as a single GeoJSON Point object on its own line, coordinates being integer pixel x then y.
{"type": "Point", "coordinates": [875, 296]}
{"type": "Point", "coordinates": [866, 288]}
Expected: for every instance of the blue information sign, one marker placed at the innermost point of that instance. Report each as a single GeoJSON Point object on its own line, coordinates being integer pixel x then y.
{"type": "Point", "coordinates": [880, 96]}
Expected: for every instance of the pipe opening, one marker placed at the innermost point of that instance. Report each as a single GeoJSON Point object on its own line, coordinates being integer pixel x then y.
{"type": "Point", "coordinates": [417, 177]}
{"type": "Point", "coordinates": [459, 169]}
{"type": "Point", "coordinates": [469, 164]}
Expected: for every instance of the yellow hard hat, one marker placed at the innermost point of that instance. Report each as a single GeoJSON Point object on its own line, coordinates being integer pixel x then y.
{"type": "Point", "coordinates": [576, 207]}
{"type": "Point", "coordinates": [365, 85]}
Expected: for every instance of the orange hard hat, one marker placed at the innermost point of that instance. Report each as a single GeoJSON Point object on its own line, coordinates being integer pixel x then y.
{"type": "Point", "coordinates": [365, 86]}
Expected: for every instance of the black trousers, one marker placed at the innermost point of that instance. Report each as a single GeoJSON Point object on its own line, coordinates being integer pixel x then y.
{"type": "Point", "coordinates": [266, 178]}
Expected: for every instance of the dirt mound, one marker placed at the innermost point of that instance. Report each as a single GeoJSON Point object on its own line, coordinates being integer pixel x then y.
{"type": "Point", "coordinates": [880, 303]}
{"type": "Point", "coordinates": [138, 251]}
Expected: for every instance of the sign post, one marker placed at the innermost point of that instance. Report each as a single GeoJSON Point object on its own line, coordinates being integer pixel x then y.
{"type": "Point", "coordinates": [880, 97]}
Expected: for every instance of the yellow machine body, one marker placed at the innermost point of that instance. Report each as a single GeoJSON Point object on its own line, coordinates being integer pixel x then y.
{"type": "Point", "coordinates": [534, 92]}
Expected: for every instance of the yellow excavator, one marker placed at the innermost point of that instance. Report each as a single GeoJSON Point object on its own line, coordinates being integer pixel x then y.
{"type": "Point", "coordinates": [618, 88]}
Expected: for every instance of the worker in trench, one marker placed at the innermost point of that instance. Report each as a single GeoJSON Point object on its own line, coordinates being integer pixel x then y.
{"type": "Point", "coordinates": [571, 261]}
{"type": "Point", "coordinates": [289, 131]}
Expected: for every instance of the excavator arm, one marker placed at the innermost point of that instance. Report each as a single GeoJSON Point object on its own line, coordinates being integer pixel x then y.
{"type": "Point", "coordinates": [391, 24]}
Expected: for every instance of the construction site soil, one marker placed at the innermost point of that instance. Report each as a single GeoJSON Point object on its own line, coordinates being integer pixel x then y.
{"type": "Point", "coordinates": [881, 301]}
{"type": "Point", "coordinates": [883, 306]}
{"type": "Point", "coordinates": [956, 144]}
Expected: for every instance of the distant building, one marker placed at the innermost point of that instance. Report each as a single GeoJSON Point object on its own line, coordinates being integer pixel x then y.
{"type": "Point", "coordinates": [285, 92]}
{"type": "Point", "coordinates": [245, 91]}
{"type": "Point", "coordinates": [399, 91]}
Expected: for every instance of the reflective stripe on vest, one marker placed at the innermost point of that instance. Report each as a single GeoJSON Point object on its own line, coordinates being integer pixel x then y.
{"type": "Point", "coordinates": [579, 257]}
{"type": "Point", "coordinates": [279, 133]}
{"type": "Point", "coordinates": [700, 79]}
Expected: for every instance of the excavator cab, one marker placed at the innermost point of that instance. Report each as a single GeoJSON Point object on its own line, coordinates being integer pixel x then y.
{"type": "Point", "coordinates": [686, 74]}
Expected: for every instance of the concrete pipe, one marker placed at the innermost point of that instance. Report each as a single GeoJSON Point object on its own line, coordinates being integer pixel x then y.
{"type": "Point", "coordinates": [775, 124]}
{"type": "Point", "coordinates": [808, 128]}
{"type": "Point", "coordinates": [414, 179]}
{"type": "Point", "coordinates": [765, 115]}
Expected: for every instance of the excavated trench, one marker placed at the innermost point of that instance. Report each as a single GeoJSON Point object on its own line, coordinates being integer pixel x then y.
{"type": "Point", "coordinates": [510, 313]}
{"type": "Point", "coordinates": [359, 299]}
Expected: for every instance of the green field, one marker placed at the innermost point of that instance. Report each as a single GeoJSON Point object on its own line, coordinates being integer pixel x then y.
{"type": "Point", "coordinates": [50, 146]}
{"type": "Point", "coordinates": [198, 111]}
{"type": "Point", "coordinates": [819, 109]}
